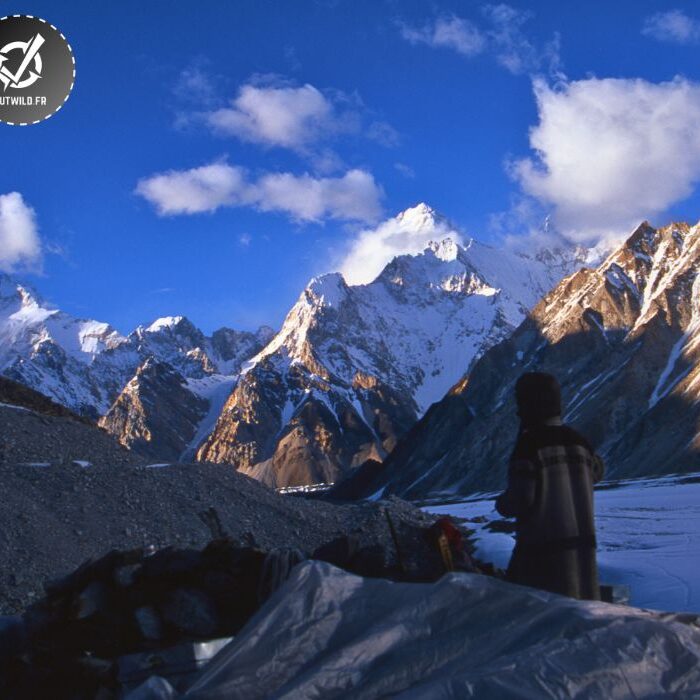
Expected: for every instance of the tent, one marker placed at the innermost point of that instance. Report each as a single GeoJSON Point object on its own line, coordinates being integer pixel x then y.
{"type": "Point", "coordinates": [330, 634]}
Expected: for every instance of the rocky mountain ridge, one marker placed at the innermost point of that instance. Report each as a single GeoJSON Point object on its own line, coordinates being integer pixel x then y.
{"type": "Point", "coordinates": [624, 340]}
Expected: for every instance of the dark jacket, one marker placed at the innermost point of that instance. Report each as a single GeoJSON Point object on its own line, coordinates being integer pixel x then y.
{"type": "Point", "coordinates": [550, 493]}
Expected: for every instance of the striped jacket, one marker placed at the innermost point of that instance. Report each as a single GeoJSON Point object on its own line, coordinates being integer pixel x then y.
{"type": "Point", "coordinates": [550, 493]}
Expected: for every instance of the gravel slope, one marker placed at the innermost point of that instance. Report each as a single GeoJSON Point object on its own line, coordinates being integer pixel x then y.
{"type": "Point", "coordinates": [27, 436]}
{"type": "Point", "coordinates": [56, 511]}
{"type": "Point", "coordinates": [53, 518]}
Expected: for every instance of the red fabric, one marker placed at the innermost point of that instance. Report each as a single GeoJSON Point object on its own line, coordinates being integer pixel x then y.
{"type": "Point", "coordinates": [454, 536]}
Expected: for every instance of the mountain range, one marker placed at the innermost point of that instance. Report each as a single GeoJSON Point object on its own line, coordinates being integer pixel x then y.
{"type": "Point", "coordinates": [624, 340]}
{"type": "Point", "coordinates": [348, 374]}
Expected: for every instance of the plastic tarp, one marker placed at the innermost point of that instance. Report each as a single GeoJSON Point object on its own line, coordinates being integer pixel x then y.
{"type": "Point", "coordinates": [329, 634]}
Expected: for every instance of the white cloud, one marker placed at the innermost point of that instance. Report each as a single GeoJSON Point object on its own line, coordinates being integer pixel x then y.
{"type": "Point", "coordinates": [451, 32]}
{"type": "Point", "coordinates": [20, 246]}
{"type": "Point", "coordinates": [289, 117]}
{"type": "Point", "coordinates": [501, 36]}
{"type": "Point", "coordinates": [353, 197]}
{"type": "Point", "coordinates": [270, 112]}
{"type": "Point", "coordinates": [407, 233]}
{"type": "Point", "coordinates": [610, 152]}
{"type": "Point", "coordinates": [196, 190]}
{"type": "Point", "coordinates": [673, 26]}
{"type": "Point", "coordinates": [326, 161]}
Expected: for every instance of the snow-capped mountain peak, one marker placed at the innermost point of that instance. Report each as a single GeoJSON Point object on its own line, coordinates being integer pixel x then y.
{"type": "Point", "coordinates": [28, 324]}
{"type": "Point", "coordinates": [85, 364]}
{"type": "Point", "coordinates": [414, 297]}
{"type": "Point", "coordinates": [96, 336]}
{"type": "Point", "coordinates": [624, 340]}
{"type": "Point", "coordinates": [164, 322]}
{"type": "Point", "coordinates": [355, 364]}
{"type": "Point", "coordinates": [351, 369]}
{"type": "Point", "coordinates": [422, 217]}
{"type": "Point", "coordinates": [442, 267]}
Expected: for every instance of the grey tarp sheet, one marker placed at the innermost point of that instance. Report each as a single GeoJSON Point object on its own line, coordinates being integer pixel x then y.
{"type": "Point", "coordinates": [329, 634]}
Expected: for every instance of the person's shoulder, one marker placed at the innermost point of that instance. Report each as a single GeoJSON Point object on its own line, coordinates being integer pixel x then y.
{"type": "Point", "coordinates": [571, 436]}
{"type": "Point", "coordinates": [558, 435]}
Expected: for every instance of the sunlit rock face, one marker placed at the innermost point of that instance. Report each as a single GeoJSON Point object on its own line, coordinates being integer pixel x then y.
{"type": "Point", "coordinates": [155, 415]}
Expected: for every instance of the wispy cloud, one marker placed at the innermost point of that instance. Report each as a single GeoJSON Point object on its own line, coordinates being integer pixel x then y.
{"type": "Point", "coordinates": [405, 170]}
{"type": "Point", "coordinates": [272, 112]}
{"type": "Point", "coordinates": [673, 26]}
{"type": "Point", "coordinates": [197, 85]}
{"type": "Point", "coordinates": [197, 190]}
{"type": "Point", "coordinates": [292, 59]}
{"type": "Point", "coordinates": [448, 32]}
{"type": "Point", "coordinates": [513, 49]}
{"type": "Point", "coordinates": [353, 197]}
{"type": "Point", "coordinates": [384, 134]}
{"type": "Point", "coordinates": [608, 152]}
{"type": "Point", "coordinates": [20, 245]}
{"type": "Point", "coordinates": [500, 35]}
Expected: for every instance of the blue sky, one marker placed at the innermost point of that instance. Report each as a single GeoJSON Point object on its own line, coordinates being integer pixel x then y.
{"type": "Point", "coordinates": [215, 155]}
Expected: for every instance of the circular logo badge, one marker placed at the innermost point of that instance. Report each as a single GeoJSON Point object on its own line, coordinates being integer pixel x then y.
{"type": "Point", "coordinates": [37, 70]}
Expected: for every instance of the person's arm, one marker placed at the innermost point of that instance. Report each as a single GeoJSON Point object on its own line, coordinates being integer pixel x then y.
{"type": "Point", "coordinates": [519, 497]}
{"type": "Point", "coordinates": [598, 468]}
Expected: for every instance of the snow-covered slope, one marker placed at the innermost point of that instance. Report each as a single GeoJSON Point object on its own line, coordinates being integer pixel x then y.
{"type": "Point", "coordinates": [27, 322]}
{"type": "Point", "coordinates": [354, 366]}
{"type": "Point", "coordinates": [50, 351]}
{"type": "Point", "coordinates": [424, 319]}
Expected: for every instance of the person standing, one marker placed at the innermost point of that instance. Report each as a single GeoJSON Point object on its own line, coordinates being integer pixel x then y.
{"type": "Point", "coordinates": [550, 494]}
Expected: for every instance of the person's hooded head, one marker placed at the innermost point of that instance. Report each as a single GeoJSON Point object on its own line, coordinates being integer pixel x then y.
{"type": "Point", "coordinates": [538, 396]}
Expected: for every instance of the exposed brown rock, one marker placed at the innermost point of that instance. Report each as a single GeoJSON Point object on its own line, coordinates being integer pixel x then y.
{"type": "Point", "coordinates": [155, 415]}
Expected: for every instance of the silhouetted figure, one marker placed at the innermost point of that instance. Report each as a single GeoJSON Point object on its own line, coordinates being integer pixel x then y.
{"type": "Point", "coordinates": [550, 493]}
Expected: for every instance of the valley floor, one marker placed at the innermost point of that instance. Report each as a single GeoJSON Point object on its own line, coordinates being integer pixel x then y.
{"type": "Point", "coordinates": [648, 538]}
